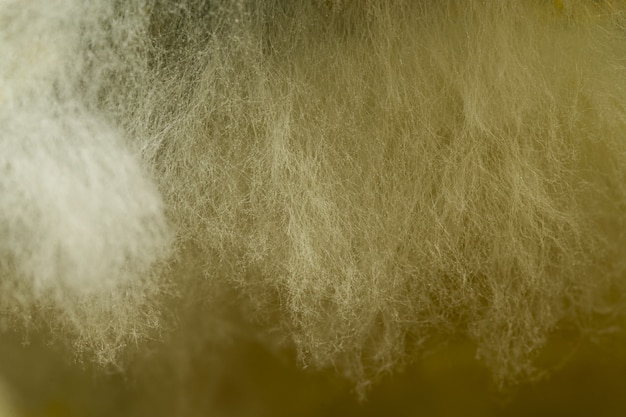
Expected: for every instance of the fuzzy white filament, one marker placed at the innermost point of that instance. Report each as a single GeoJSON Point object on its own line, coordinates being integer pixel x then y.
{"type": "Point", "coordinates": [368, 177]}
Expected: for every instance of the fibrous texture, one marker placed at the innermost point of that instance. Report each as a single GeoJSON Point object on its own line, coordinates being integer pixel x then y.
{"type": "Point", "coordinates": [370, 178]}
{"type": "Point", "coordinates": [82, 222]}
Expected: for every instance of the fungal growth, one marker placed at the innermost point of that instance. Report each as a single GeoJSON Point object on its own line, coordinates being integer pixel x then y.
{"type": "Point", "coordinates": [355, 180]}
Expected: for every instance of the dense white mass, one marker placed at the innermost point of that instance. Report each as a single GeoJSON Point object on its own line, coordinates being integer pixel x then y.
{"type": "Point", "coordinates": [82, 222]}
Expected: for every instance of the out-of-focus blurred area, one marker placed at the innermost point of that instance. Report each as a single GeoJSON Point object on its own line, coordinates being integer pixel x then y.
{"type": "Point", "coordinates": [245, 379]}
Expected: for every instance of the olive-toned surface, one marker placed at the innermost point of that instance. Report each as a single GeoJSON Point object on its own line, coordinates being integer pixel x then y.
{"type": "Point", "coordinates": [250, 381]}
